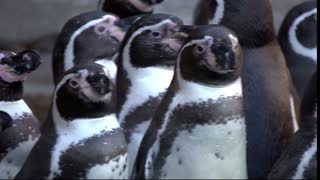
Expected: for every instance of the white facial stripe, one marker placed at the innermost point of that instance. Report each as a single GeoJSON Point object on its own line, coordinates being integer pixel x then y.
{"type": "Point", "coordinates": [1, 56]}
{"type": "Point", "coordinates": [294, 42]}
{"type": "Point", "coordinates": [218, 13]}
{"type": "Point", "coordinates": [68, 54]}
{"type": "Point", "coordinates": [234, 40]}
{"type": "Point", "coordinates": [191, 43]}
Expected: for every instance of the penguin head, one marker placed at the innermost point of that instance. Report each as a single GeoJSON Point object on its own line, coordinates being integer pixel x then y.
{"type": "Point", "coordinates": [98, 36]}
{"type": "Point", "coordinates": [299, 29]}
{"type": "Point", "coordinates": [127, 8]}
{"type": "Point", "coordinates": [150, 42]}
{"type": "Point", "coordinates": [211, 55]}
{"type": "Point", "coordinates": [17, 67]}
{"type": "Point", "coordinates": [85, 90]}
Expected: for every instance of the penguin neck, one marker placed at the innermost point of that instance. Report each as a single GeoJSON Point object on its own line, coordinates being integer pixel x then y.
{"type": "Point", "coordinates": [135, 85]}
{"type": "Point", "coordinates": [11, 91]}
{"type": "Point", "coordinates": [252, 20]}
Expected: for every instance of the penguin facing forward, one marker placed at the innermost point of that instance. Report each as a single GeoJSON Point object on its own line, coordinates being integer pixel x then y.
{"type": "Point", "coordinates": [127, 8]}
{"type": "Point", "coordinates": [298, 41]}
{"type": "Point", "coordinates": [200, 120]}
{"type": "Point", "coordinates": [82, 138]}
{"type": "Point", "coordinates": [19, 128]}
{"type": "Point", "coordinates": [145, 70]}
{"type": "Point", "coordinates": [89, 37]}
{"type": "Point", "coordinates": [299, 161]}
{"type": "Point", "coordinates": [270, 100]}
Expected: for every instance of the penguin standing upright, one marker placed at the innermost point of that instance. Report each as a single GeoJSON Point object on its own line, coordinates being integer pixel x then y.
{"type": "Point", "coordinates": [298, 41]}
{"type": "Point", "coordinates": [299, 161]}
{"type": "Point", "coordinates": [198, 131]}
{"type": "Point", "coordinates": [89, 37]}
{"type": "Point", "coordinates": [127, 8]}
{"type": "Point", "coordinates": [19, 129]}
{"type": "Point", "coordinates": [145, 70]}
{"type": "Point", "coordinates": [268, 92]}
{"type": "Point", "coordinates": [82, 138]}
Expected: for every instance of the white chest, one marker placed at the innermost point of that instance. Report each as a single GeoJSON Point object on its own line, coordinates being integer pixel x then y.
{"type": "Point", "coordinates": [72, 133]}
{"type": "Point", "coordinates": [209, 152]}
{"type": "Point", "coordinates": [146, 83]}
{"type": "Point", "coordinates": [15, 109]}
{"type": "Point", "coordinates": [195, 93]}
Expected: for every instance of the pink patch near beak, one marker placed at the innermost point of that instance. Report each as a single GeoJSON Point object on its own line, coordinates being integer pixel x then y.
{"type": "Point", "coordinates": [10, 77]}
{"type": "Point", "coordinates": [141, 6]}
{"type": "Point", "coordinates": [111, 28]}
{"type": "Point", "coordinates": [173, 44]}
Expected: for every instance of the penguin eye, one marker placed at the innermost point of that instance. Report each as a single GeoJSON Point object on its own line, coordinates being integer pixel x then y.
{"type": "Point", "coordinates": [199, 49]}
{"type": "Point", "coordinates": [73, 83]}
{"type": "Point", "coordinates": [156, 34]}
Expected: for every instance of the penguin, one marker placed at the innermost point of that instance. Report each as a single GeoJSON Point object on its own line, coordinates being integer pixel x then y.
{"type": "Point", "coordinates": [89, 37]}
{"type": "Point", "coordinates": [145, 69]}
{"type": "Point", "coordinates": [270, 100]}
{"type": "Point", "coordinates": [82, 138]}
{"type": "Point", "coordinates": [299, 161]}
{"type": "Point", "coordinates": [19, 128]}
{"type": "Point", "coordinates": [201, 117]}
{"type": "Point", "coordinates": [127, 8]}
{"type": "Point", "coordinates": [298, 41]}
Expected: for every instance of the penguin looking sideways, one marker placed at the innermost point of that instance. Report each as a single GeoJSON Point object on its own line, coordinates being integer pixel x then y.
{"type": "Point", "coordinates": [299, 161]}
{"type": "Point", "coordinates": [127, 8]}
{"type": "Point", "coordinates": [82, 138]}
{"type": "Point", "coordinates": [298, 40]}
{"type": "Point", "coordinates": [89, 37]}
{"type": "Point", "coordinates": [270, 100]}
{"type": "Point", "coordinates": [145, 70]}
{"type": "Point", "coordinates": [19, 129]}
{"type": "Point", "coordinates": [198, 131]}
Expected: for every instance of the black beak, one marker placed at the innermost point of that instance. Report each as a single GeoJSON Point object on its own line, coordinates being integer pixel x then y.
{"type": "Point", "coordinates": [100, 84]}
{"type": "Point", "coordinates": [125, 23]}
{"type": "Point", "coordinates": [182, 32]}
{"type": "Point", "coordinates": [24, 62]}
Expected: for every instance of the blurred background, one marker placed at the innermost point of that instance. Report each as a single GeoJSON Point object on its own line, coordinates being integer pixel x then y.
{"type": "Point", "coordinates": [34, 24]}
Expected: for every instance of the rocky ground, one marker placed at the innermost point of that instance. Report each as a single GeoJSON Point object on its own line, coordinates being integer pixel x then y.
{"type": "Point", "coordinates": [35, 24]}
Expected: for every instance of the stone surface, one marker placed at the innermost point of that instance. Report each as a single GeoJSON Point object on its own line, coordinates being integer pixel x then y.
{"type": "Point", "coordinates": [35, 24]}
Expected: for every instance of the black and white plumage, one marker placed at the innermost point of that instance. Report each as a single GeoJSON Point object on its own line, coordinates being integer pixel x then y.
{"type": "Point", "coordinates": [89, 37]}
{"type": "Point", "coordinates": [299, 161]}
{"type": "Point", "coordinates": [199, 131]}
{"type": "Point", "coordinates": [127, 8]}
{"type": "Point", "coordinates": [270, 100]}
{"type": "Point", "coordinates": [298, 40]}
{"type": "Point", "coordinates": [145, 70]}
{"type": "Point", "coordinates": [82, 137]}
{"type": "Point", "coordinates": [19, 129]}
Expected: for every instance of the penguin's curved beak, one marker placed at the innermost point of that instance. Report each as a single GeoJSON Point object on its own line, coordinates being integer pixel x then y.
{"type": "Point", "coordinates": [181, 33]}
{"type": "Point", "coordinates": [100, 84]}
{"type": "Point", "coordinates": [23, 63]}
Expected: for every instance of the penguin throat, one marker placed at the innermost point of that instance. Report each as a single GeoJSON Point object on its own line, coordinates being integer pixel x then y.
{"type": "Point", "coordinates": [255, 28]}
{"type": "Point", "coordinates": [143, 7]}
{"type": "Point", "coordinates": [10, 91]}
